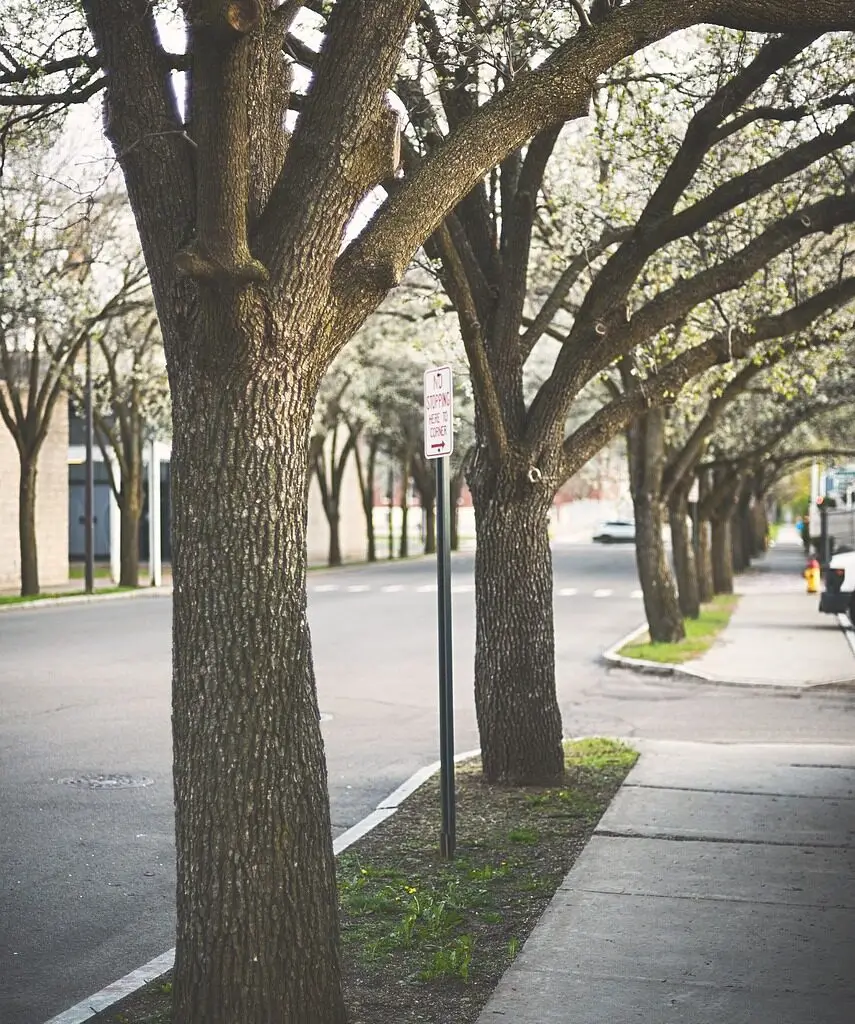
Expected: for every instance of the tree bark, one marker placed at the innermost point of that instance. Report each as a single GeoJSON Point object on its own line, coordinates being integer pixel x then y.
{"type": "Point", "coordinates": [706, 587]}
{"type": "Point", "coordinates": [130, 508]}
{"type": "Point", "coordinates": [334, 523]}
{"type": "Point", "coordinates": [129, 554]}
{"type": "Point", "coordinates": [518, 716]}
{"type": "Point", "coordinates": [27, 536]}
{"type": "Point", "coordinates": [257, 923]}
{"type": "Point", "coordinates": [366, 474]}
{"type": "Point", "coordinates": [404, 542]}
{"type": "Point", "coordinates": [722, 554]}
{"type": "Point", "coordinates": [683, 550]}
{"type": "Point", "coordinates": [455, 488]}
{"type": "Point", "coordinates": [646, 447]}
{"type": "Point", "coordinates": [430, 528]}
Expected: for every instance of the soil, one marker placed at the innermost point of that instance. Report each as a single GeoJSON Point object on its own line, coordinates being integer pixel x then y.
{"type": "Point", "coordinates": [426, 939]}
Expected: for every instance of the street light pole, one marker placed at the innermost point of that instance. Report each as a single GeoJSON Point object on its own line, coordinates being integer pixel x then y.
{"type": "Point", "coordinates": [89, 497]}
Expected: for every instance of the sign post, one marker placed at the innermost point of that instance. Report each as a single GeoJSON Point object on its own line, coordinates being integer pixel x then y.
{"type": "Point", "coordinates": [439, 444]}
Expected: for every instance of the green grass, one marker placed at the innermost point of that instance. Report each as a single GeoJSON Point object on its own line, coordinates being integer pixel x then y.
{"type": "Point", "coordinates": [77, 570]}
{"type": "Point", "coordinates": [30, 599]}
{"type": "Point", "coordinates": [774, 530]}
{"type": "Point", "coordinates": [700, 635]}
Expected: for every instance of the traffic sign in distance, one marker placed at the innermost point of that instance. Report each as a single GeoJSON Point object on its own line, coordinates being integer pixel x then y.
{"type": "Point", "coordinates": [439, 412]}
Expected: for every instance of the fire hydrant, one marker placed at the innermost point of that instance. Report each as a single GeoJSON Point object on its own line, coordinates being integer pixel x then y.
{"type": "Point", "coordinates": [812, 576]}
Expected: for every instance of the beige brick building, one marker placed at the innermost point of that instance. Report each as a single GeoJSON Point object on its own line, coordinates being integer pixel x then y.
{"type": "Point", "coordinates": [51, 505]}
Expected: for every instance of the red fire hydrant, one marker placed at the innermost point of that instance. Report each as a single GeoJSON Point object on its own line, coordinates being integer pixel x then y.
{"type": "Point", "coordinates": [812, 576]}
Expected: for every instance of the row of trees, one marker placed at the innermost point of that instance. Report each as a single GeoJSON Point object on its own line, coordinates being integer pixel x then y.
{"type": "Point", "coordinates": [709, 241]}
{"type": "Point", "coordinates": [73, 279]}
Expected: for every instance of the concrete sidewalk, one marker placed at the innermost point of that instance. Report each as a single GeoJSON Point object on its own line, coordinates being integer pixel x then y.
{"type": "Point", "coordinates": [719, 887]}
{"type": "Point", "coordinates": [777, 635]}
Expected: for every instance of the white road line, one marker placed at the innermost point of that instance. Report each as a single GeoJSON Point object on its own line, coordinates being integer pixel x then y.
{"type": "Point", "coordinates": [324, 587]}
{"type": "Point", "coordinates": [637, 595]}
{"type": "Point", "coordinates": [602, 593]}
{"type": "Point", "coordinates": [428, 588]}
{"type": "Point", "coordinates": [358, 588]}
{"type": "Point", "coordinates": [463, 588]}
{"type": "Point", "coordinates": [568, 592]}
{"type": "Point", "coordinates": [392, 588]}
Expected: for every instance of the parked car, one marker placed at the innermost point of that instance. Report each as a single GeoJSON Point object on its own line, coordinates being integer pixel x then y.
{"type": "Point", "coordinates": [615, 531]}
{"type": "Point", "coordinates": [839, 592]}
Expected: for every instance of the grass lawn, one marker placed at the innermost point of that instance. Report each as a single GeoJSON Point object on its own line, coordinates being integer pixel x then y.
{"type": "Point", "coordinates": [17, 599]}
{"type": "Point", "coordinates": [700, 634]}
{"type": "Point", "coordinates": [423, 940]}
{"type": "Point", "coordinates": [77, 570]}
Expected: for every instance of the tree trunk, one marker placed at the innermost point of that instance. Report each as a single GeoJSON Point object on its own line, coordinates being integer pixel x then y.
{"type": "Point", "coordinates": [738, 557]}
{"type": "Point", "coordinates": [404, 543]}
{"type": "Point", "coordinates": [130, 507]}
{"type": "Point", "coordinates": [257, 930]}
{"type": "Point", "coordinates": [722, 555]}
{"type": "Point", "coordinates": [657, 583]}
{"type": "Point", "coordinates": [456, 486]}
{"type": "Point", "coordinates": [27, 526]}
{"type": "Point", "coordinates": [706, 586]}
{"type": "Point", "coordinates": [334, 523]}
{"type": "Point", "coordinates": [129, 551]}
{"type": "Point", "coordinates": [646, 448]}
{"type": "Point", "coordinates": [684, 557]}
{"type": "Point", "coordinates": [430, 528]}
{"type": "Point", "coordinates": [518, 716]}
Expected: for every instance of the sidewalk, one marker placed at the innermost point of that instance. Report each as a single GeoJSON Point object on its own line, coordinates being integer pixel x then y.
{"type": "Point", "coordinates": [777, 635]}
{"type": "Point", "coordinates": [719, 887]}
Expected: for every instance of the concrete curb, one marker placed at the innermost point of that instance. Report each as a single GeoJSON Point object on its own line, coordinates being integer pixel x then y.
{"type": "Point", "coordinates": [669, 670]}
{"type": "Point", "coordinates": [149, 972]}
{"type": "Point", "coordinates": [55, 602]}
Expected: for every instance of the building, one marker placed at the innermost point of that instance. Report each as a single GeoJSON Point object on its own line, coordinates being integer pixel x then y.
{"type": "Point", "coordinates": [51, 504]}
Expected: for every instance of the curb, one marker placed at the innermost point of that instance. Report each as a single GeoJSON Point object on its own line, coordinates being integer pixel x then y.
{"type": "Point", "coordinates": [669, 670]}
{"type": "Point", "coordinates": [55, 602]}
{"type": "Point", "coordinates": [130, 983]}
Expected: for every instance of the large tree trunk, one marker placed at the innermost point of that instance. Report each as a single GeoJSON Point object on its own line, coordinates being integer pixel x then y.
{"type": "Point", "coordinates": [722, 554]}
{"type": "Point", "coordinates": [27, 538]}
{"type": "Point", "coordinates": [646, 447]}
{"type": "Point", "coordinates": [683, 551]}
{"type": "Point", "coordinates": [657, 584]}
{"type": "Point", "coordinates": [518, 716]}
{"type": "Point", "coordinates": [257, 926]}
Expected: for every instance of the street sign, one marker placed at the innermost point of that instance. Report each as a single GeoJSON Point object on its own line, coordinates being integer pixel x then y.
{"type": "Point", "coordinates": [439, 413]}
{"type": "Point", "coordinates": [439, 444]}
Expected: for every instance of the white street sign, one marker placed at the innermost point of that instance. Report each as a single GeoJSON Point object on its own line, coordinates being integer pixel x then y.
{"type": "Point", "coordinates": [439, 413]}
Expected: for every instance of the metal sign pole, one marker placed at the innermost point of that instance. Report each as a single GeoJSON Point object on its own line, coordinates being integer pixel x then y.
{"type": "Point", "coordinates": [448, 836]}
{"type": "Point", "coordinates": [439, 444]}
{"type": "Point", "coordinates": [89, 493]}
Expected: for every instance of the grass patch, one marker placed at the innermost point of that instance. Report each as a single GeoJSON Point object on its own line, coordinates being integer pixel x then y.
{"type": "Point", "coordinates": [31, 598]}
{"type": "Point", "coordinates": [426, 940]}
{"type": "Point", "coordinates": [700, 635]}
{"type": "Point", "coordinates": [77, 571]}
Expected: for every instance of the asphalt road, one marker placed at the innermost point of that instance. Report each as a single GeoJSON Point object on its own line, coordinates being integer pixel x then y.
{"type": "Point", "coordinates": [88, 877]}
